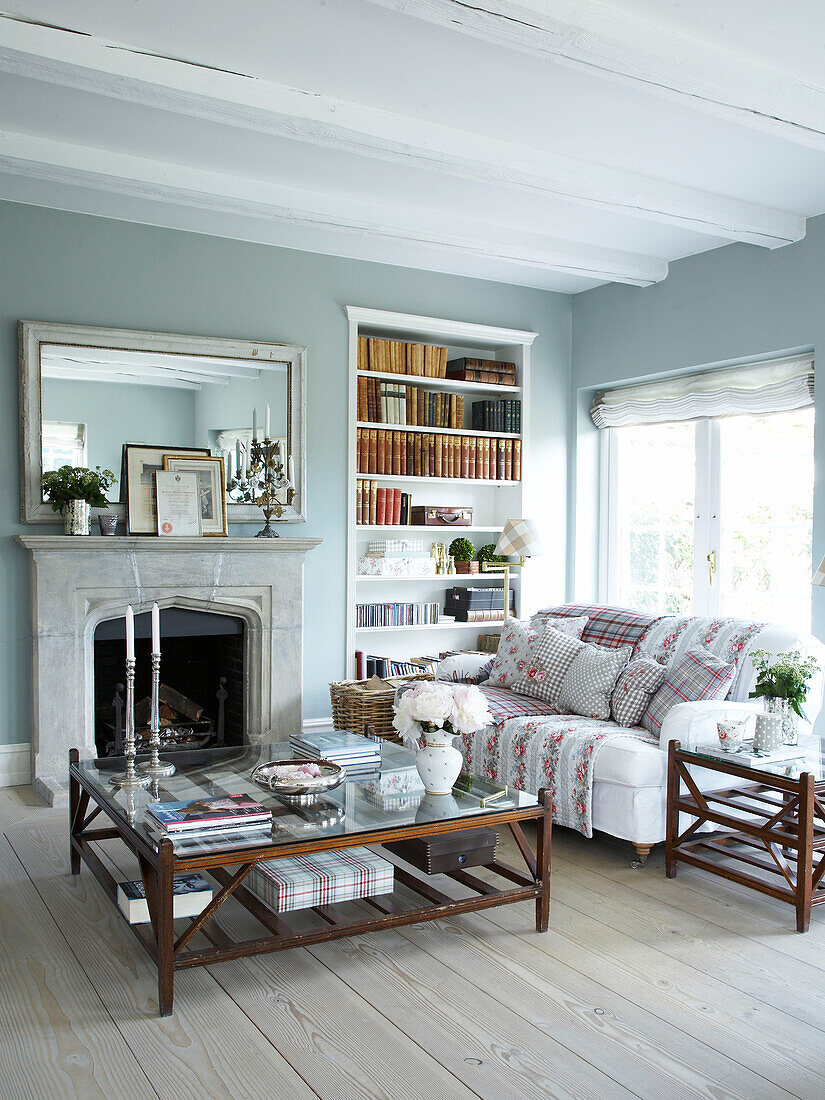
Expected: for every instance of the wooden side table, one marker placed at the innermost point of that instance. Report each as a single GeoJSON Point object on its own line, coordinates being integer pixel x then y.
{"type": "Point", "coordinates": [769, 828]}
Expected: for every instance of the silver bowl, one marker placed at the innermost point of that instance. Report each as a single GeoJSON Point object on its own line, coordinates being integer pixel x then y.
{"type": "Point", "coordinates": [303, 790]}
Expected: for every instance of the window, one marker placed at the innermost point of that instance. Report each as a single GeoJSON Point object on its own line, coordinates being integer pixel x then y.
{"type": "Point", "coordinates": [713, 516]}
{"type": "Point", "coordinates": [63, 444]}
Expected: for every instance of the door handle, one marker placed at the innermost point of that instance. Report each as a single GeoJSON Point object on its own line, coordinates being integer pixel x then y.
{"type": "Point", "coordinates": [711, 566]}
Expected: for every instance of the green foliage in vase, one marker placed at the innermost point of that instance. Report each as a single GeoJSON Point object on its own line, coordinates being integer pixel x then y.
{"type": "Point", "coordinates": [77, 483]}
{"type": "Point", "coordinates": [488, 553]}
{"type": "Point", "coordinates": [462, 550]}
{"type": "Point", "coordinates": [783, 676]}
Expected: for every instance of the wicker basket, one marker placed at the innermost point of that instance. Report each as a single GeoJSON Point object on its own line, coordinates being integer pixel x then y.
{"type": "Point", "coordinates": [354, 706]}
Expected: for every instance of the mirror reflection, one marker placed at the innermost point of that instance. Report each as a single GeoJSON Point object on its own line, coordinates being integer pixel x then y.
{"type": "Point", "coordinates": [93, 400]}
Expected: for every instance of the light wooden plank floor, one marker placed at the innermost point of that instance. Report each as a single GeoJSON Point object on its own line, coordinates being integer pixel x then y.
{"type": "Point", "coordinates": [642, 987]}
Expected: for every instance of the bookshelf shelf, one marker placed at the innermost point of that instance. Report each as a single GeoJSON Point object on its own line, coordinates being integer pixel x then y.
{"type": "Point", "coordinates": [438, 431]}
{"type": "Point", "coordinates": [451, 384]}
{"type": "Point", "coordinates": [491, 506]}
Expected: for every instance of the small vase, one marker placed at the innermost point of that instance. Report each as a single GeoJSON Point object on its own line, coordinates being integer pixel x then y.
{"type": "Point", "coordinates": [789, 717]}
{"type": "Point", "coordinates": [77, 517]}
{"type": "Point", "coordinates": [107, 524]}
{"type": "Point", "coordinates": [439, 763]}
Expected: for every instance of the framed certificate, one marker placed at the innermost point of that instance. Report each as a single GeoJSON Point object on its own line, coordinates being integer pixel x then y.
{"type": "Point", "coordinates": [209, 470]}
{"type": "Point", "coordinates": [178, 503]}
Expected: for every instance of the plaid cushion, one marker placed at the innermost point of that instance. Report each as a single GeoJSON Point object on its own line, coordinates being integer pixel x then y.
{"type": "Point", "coordinates": [589, 682]}
{"type": "Point", "coordinates": [516, 646]}
{"type": "Point", "coordinates": [637, 682]}
{"type": "Point", "coordinates": [699, 675]}
{"type": "Point", "coordinates": [504, 703]}
{"type": "Point", "coordinates": [323, 878]}
{"type": "Point", "coordinates": [551, 657]}
{"type": "Point", "coordinates": [606, 626]}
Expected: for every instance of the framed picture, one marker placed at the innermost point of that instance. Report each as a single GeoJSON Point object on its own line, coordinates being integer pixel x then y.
{"type": "Point", "coordinates": [211, 487]}
{"type": "Point", "coordinates": [140, 463]}
{"type": "Point", "coordinates": [179, 503]}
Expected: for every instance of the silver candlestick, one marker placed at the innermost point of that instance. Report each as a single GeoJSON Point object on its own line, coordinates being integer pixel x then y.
{"type": "Point", "coordinates": [130, 779]}
{"type": "Point", "coordinates": [156, 768]}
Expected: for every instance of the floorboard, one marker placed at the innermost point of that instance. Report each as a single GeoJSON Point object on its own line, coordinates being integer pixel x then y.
{"type": "Point", "coordinates": [644, 987]}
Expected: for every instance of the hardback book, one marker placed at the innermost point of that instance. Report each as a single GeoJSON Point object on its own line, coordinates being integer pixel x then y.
{"type": "Point", "coordinates": [191, 895]}
{"type": "Point", "coordinates": [373, 511]}
{"type": "Point", "coordinates": [158, 832]}
{"type": "Point", "coordinates": [746, 756]}
{"type": "Point", "coordinates": [493, 378]}
{"type": "Point", "coordinates": [481, 364]}
{"type": "Point", "coordinates": [207, 812]}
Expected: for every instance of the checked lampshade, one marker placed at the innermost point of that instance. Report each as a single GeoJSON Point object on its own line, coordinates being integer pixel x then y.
{"type": "Point", "coordinates": [518, 537]}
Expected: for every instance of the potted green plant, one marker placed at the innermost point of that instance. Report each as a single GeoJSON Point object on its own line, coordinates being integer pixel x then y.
{"type": "Point", "coordinates": [488, 553]}
{"type": "Point", "coordinates": [463, 551]}
{"type": "Point", "coordinates": [782, 681]}
{"type": "Point", "coordinates": [74, 491]}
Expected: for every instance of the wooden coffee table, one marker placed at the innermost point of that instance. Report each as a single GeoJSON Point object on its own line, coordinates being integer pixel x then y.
{"type": "Point", "coordinates": [769, 827]}
{"type": "Point", "coordinates": [224, 771]}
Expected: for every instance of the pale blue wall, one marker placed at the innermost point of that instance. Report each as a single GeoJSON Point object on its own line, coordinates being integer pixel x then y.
{"type": "Point", "coordinates": [738, 302]}
{"type": "Point", "coordinates": [73, 268]}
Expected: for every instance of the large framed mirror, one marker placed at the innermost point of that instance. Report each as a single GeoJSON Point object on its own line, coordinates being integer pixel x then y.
{"type": "Point", "coordinates": [85, 392]}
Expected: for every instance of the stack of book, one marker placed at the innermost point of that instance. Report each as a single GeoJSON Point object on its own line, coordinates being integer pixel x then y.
{"type": "Point", "coordinates": [489, 371]}
{"type": "Point", "coordinates": [379, 506]}
{"type": "Point", "coordinates": [391, 403]}
{"type": "Point", "coordinates": [396, 357]}
{"type": "Point", "coordinates": [191, 895]}
{"type": "Point", "coordinates": [232, 817]}
{"type": "Point", "coordinates": [396, 614]}
{"type": "Point", "coordinates": [497, 416]}
{"type": "Point", "coordinates": [351, 751]}
{"type": "Point", "coordinates": [475, 605]}
{"type": "Point", "coordinates": [426, 454]}
{"type": "Point", "coordinates": [368, 664]}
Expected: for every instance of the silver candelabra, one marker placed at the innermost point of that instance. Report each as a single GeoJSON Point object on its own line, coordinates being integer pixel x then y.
{"type": "Point", "coordinates": [130, 779]}
{"type": "Point", "coordinates": [156, 768]}
{"type": "Point", "coordinates": [265, 478]}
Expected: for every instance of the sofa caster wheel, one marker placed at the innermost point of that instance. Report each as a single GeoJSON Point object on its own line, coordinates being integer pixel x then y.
{"type": "Point", "coordinates": [642, 852]}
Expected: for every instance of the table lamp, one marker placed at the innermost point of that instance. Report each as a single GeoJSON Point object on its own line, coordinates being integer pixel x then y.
{"type": "Point", "coordinates": [518, 537]}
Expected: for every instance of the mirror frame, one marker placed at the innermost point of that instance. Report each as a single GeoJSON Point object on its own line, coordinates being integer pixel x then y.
{"type": "Point", "coordinates": [31, 334]}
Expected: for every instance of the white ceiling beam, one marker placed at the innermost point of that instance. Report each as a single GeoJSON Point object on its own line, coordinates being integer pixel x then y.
{"type": "Point", "coordinates": [85, 374]}
{"type": "Point", "coordinates": [89, 64]}
{"type": "Point", "coordinates": [135, 360]}
{"type": "Point", "coordinates": [603, 40]}
{"type": "Point", "coordinates": [122, 173]}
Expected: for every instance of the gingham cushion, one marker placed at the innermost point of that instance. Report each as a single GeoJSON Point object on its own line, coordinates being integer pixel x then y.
{"type": "Point", "coordinates": [589, 682]}
{"type": "Point", "coordinates": [516, 645]}
{"type": "Point", "coordinates": [698, 675]}
{"type": "Point", "coordinates": [551, 657]}
{"type": "Point", "coordinates": [638, 681]}
{"type": "Point", "coordinates": [607, 626]}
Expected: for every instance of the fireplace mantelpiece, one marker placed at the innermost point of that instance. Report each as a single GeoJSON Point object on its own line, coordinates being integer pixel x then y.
{"type": "Point", "coordinates": [77, 582]}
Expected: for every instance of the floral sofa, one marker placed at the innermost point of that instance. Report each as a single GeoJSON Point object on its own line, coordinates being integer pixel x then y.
{"type": "Point", "coordinates": [603, 776]}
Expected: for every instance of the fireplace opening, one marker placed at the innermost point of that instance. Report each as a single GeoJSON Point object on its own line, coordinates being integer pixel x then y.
{"type": "Point", "coordinates": [202, 679]}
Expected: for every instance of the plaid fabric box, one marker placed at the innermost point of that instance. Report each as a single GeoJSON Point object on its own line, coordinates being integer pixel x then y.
{"type": "Point", "coordinates": [608, 626]}
{"type": "Point", "coordinates": [323, 878]}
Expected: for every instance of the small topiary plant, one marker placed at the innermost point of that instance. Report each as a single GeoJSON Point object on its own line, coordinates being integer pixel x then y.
{"type": "Point", "coordinates": [462, 550]}
{"type": "Point", "coordinates": [488, 553]}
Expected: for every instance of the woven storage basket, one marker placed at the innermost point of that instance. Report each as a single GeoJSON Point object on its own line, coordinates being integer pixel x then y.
{"type": "Point", "coordinates": [354, 708]}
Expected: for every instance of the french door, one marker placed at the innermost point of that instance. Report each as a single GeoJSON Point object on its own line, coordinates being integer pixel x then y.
{"type": "Point", "coordinates": [711, 517]}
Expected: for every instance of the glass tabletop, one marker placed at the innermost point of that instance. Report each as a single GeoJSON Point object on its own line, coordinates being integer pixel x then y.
{"type": "Point", "coordinates": [807, 756]}
{"type": "Point", "coordinates": [368, 801]}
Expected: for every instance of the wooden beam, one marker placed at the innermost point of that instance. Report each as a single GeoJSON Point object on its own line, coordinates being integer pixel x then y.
{"type": "Point", "coordinates": [602, 40]}
{"type": "Point", "coordinates": [92, 65]}
{"type": "Point", "coordinates": [122, 173]}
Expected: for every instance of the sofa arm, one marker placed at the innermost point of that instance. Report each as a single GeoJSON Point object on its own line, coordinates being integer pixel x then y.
{"type": "Point", "coordinates": [463, 667]}
{"type": "Point", "coordinates": [694, 724]}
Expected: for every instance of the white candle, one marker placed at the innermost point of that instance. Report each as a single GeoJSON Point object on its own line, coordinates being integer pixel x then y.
{"type": "Point", "coordinates": [291, 472]}
{"type": "Point", "coordinates": [238, 457]}
{"type": "Point", "coordinates": [229, 457]}
{"type": "Point", "coordinates": [155, 628]}
{"type": "Point", "coordinates": [266, 431]}
{"type": "Point", "coordinates": [255, 425]}
{"type": "Point", "coordinates": [130, 634]}
{"type": "Point", "coordinates": [245, 464]}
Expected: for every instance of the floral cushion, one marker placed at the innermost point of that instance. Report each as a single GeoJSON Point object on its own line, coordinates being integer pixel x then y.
{"type": "Point", "coordinates": [638, 681]}
{"type": "Point", "coordinates": [590, 680]}
{"type": "Point", "coordinates": [551, 656]}
{"type": "Point", "coordinates": [513, 657]}
{"type": "Point", "coordinates": [698, 675]}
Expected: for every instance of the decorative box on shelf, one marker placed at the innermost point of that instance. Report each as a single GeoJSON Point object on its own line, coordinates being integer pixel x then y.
{"type": "Point", "coordinates": [396, 567]}
{"type": "Point", "coordinates": [322, 878]}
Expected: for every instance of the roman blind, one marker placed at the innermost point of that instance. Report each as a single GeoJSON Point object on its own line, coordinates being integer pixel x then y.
{"type": "Point", "coordinates": [776, 386]}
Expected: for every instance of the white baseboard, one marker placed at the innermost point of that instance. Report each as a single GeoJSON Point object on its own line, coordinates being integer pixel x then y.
{"type": "Point", "coordinates": [317, 725]}
{"type": "Point", "coordinates": [15, 765]}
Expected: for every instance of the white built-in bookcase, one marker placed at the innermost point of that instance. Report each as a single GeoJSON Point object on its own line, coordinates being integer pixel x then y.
{"type": "Point", "coordinates": [493, 502]}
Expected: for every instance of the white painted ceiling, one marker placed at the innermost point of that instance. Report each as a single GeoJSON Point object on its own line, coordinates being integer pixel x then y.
{"type": "Point", "coordinates": [551, 143]}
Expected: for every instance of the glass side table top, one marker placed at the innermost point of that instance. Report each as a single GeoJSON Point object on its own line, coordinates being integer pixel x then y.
{"type": "Point", "coordinates": [366, 802]}
{"type": "Point", "coordinates": [809, 756]}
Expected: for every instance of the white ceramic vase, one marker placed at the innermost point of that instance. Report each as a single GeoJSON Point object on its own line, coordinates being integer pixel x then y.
{"type": "Point", "coordinates": [439, 763]}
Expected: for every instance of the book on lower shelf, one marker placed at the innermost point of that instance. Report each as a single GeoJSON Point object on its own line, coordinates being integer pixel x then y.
{"type": "Point", "coordinates": [368, 664]}
{"type": "Point", "coordinates": [396, 614]}
{"type": "Point", "coordinates": [191, 895]}
{"type": "Point", "coordinates": [426, 454]}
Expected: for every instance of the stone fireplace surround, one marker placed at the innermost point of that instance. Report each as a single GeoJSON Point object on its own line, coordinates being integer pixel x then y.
{"type": "Point", "coordinates": [78, 582]}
